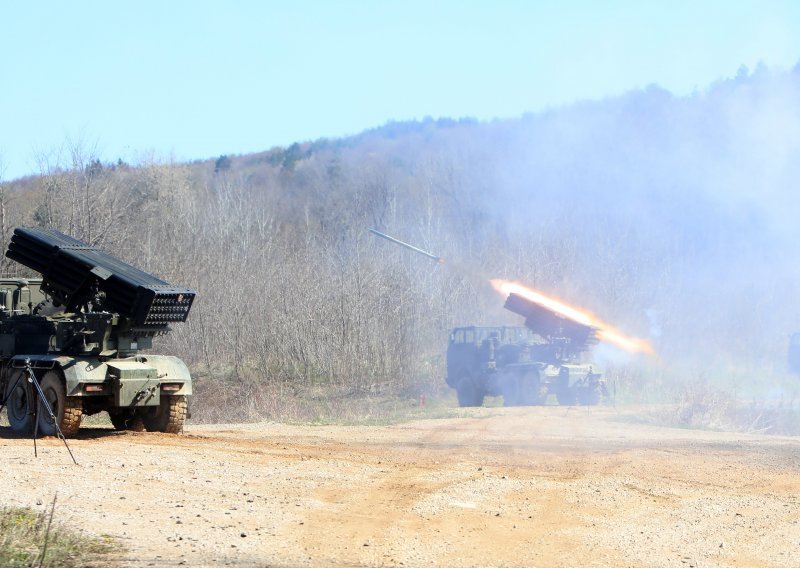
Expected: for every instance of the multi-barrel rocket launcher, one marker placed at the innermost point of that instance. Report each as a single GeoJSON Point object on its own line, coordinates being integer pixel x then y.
{"type": "Point", "coordinates": [569, 338]}
{"type": "Point", "coordinates": [525, 365]}
{"type": "Point", "coordinates": [80, 328]}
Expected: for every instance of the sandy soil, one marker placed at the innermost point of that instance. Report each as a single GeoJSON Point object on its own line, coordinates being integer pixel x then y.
{"type": "Point", "coordinates": [540, 486]}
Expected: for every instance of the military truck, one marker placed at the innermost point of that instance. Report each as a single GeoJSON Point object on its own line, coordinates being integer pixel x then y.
{"type": "Point", "coordinates": [524, 364]}
{"type": "Point", "coordinates": [80, 331]}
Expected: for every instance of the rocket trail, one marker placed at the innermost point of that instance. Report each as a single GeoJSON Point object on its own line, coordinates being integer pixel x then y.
{"type": "Point", "coordinates": [605, 332]}
{"type": "Point", "coordinates": [438, 259]}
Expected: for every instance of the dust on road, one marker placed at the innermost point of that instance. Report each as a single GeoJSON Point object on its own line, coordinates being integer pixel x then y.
{"type": "Point", "coordinates": [539, 486]}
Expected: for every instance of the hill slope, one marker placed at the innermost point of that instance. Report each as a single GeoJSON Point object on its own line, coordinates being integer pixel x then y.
{"type": "Point", "coordinates": [673, 218]}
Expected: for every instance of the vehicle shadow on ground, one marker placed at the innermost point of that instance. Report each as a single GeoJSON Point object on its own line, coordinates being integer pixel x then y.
{"type": "Point", "coordinates": [90, 433]}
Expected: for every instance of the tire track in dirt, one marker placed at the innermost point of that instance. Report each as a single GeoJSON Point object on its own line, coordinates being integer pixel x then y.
{"type": "Point", "coordinates": [496, 487]}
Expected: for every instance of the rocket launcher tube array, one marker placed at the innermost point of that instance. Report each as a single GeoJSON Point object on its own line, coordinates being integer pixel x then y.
{"type": "Point", "coordinates": [71, 267]}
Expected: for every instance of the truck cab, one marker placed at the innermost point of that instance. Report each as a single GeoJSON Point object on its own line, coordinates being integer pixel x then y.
{"type": "Point", "coordinates": [471, 347]}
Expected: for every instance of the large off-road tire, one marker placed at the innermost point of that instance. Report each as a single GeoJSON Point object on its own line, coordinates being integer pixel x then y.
{"type": "Point", "coordinates": [589, 395]}
{"type": "Point", "coordinates": [566, 396]}
{"type": "Point", "coordinates": [168, 416]}
{"type": "Point", "coordinates": [68, 410]}
{"type": "Point", "coordinates": [533, 392]}
{"type": "Point", "coordinates": [126, 419]}
{"type": "Point", "coordinates": [524, 389]}
{"type": "Point", "coordinates": [18, 406]}
{"type": "Point", "coordinates": [510, 386]}
{"type": "Point", "coordinates": [468, 394]}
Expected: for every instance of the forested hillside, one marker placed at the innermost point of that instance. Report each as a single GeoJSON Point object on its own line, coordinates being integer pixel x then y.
{"type": "Point", "coordinates": [675, 218]}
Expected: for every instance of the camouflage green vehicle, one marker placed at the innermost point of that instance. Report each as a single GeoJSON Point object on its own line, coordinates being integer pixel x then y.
{"type": "Point", "coordinates": [79, 331]}
{"type": "Point", "coordinates": [524, 365]}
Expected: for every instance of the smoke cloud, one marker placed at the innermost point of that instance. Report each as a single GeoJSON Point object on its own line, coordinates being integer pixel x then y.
{"type": "Point", "coordinates": [672, 217]}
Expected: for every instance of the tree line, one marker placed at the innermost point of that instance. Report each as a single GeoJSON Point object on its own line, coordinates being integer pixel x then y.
{"type": "Point", "coordinates": [667, 216]}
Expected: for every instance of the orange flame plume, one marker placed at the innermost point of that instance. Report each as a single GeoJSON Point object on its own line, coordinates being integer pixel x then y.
{"type": "Point", "coordinates": [605, 332]}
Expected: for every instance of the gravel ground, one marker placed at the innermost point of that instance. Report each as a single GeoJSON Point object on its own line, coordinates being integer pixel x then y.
{"type": "Point", "coordinates": [540, 486]}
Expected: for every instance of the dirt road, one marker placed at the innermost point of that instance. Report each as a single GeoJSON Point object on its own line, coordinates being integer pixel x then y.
{"type": "Point", "coordinates": [497, 487]}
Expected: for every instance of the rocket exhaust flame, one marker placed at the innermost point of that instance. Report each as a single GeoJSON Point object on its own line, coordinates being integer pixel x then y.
{"type": "Point", "coordinates": [605, 332]}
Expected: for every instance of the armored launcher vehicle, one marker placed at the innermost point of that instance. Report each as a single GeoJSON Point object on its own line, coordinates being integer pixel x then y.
{"type": "Point", "coordinates": [524, 364]}
{"type": "Point", "coordinates": [79, 330]}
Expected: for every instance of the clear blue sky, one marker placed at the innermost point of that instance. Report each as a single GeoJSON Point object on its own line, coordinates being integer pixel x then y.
{"type": "Point", "coordinates": [198, 79]}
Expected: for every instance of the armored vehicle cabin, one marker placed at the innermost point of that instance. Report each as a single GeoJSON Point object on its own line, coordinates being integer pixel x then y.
{"type": "Point", "coordinates": [80, 329]}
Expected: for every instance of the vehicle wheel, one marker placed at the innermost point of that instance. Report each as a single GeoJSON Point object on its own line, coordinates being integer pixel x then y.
{"type": "Point", "coordinates": [512, 390]}
{"type": "Point", "coordinates": [168, 416]}
{"type": "Point", "coordinates": [531, 389]}
{"type": "Point", "coordinates": [20, 415]}
{"type": "Point", "coordinates": [68, 410]}
{"type": "Point", "coordinates": [126, 419]}
{"type": "Point", "coordinates": [566, 396]}
{"type": "Point", "coordinates": [589, 395]}
{"type": "Point", "coordinates": [468, 393]}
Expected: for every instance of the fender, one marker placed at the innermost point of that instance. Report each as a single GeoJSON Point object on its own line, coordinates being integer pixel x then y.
{"type": "Point", "coordinates": [79, 371]}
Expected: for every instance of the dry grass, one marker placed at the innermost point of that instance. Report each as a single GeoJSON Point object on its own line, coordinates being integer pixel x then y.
{"type": "Point", "coordinates": [27, 539]}
{"type": "Point", "coordinates": [694, 404]}
{"type": "Point", "coordinates": [699, 405]}
{"type": "Point", "coordinates": [217, 401]}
